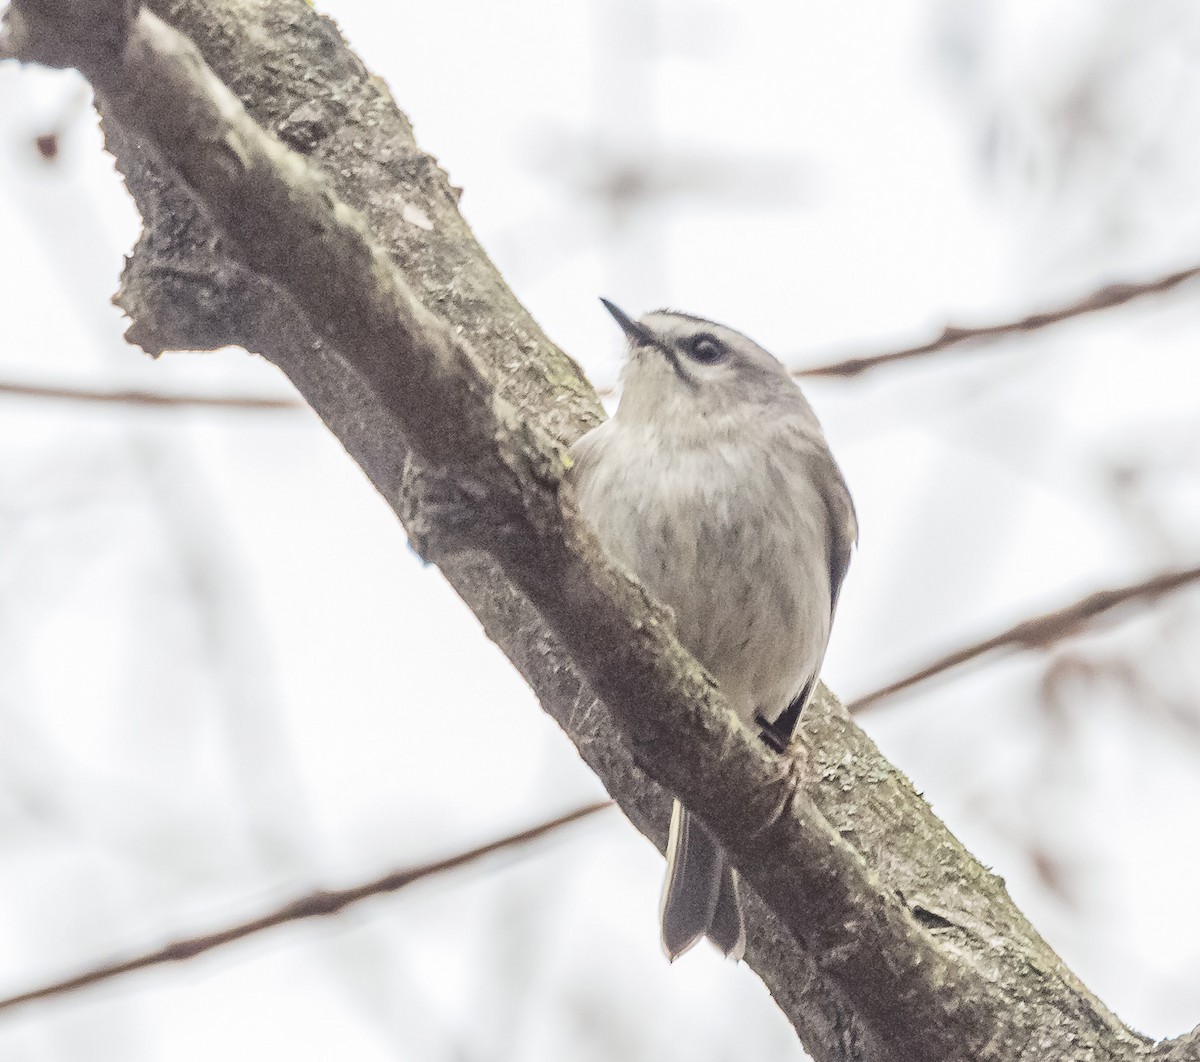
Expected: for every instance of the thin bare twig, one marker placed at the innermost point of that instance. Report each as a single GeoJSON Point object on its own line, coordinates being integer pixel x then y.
{"type": "Point", "coordinates": [1104, 298]}
{"type": "Point", "coordinates": [1040, 631]}
{"type": "Point", "coordinates": [147, 398]}
{"type": "Point", "coordinates": [315, 905]}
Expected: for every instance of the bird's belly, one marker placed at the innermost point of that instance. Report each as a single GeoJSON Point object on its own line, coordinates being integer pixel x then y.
{"type": "Point", "coordinates": [753, 626]}
{"type": "Point", "coordinates": [745, 573]}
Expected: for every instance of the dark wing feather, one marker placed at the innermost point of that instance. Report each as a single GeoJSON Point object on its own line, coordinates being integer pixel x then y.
{"type": "Point", "coordinates": [842, 524]}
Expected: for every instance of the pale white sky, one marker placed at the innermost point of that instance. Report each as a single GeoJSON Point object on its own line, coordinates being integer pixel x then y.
{"type": "Point", "coordinates": [225, 679]}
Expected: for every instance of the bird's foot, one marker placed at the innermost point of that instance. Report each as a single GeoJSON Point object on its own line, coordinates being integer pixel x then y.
{"type": "Point", "coordinates": [792, 773]}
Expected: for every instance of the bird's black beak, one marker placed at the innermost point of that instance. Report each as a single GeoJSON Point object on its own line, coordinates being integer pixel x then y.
{"type": "Point", "coordinates": [639, 335]}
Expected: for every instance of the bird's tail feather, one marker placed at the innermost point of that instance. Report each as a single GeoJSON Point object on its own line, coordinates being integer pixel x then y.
{"type": "Point", "coordinates": [728, 930]}
{"type": "Point", "coordinates": [701, 894]}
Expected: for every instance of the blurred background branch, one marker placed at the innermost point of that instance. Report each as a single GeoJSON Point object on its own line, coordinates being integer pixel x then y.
{"type": "Point", "coordinates": [319, 904]}
{"type": "Point", "coordinates": [1104, 298]}
{"type": "Point", "coordinates": [1107, 297]}
{"type": "Point", "coordinates": [1038, 632]}
{"type": "Point", "coordinates": [70, 393]}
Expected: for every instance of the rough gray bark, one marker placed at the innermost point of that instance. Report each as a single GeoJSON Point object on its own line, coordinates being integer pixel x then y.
{"type": "Point", "coordinates": [877, 933]}
{"type": "Point", "coordinates": [1183, 1049]}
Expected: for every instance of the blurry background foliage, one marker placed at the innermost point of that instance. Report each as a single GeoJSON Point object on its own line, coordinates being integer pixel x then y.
{"type": "Point", "coordinates": [224, 680]}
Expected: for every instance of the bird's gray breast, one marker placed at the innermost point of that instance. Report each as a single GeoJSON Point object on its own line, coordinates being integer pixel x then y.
{"type": "Point", "coordinates": [733, 539]}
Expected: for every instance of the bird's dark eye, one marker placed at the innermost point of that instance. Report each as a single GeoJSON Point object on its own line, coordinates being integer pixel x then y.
{"type": "Point", "coordinates": [705, 349]}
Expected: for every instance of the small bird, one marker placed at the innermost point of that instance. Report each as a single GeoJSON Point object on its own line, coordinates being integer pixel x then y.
{"type": "Point", "coordinates": [714, 486]}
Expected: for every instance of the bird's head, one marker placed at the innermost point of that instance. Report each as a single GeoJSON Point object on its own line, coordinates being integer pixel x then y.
{"type": "Point", "coordinates": [699, 375]}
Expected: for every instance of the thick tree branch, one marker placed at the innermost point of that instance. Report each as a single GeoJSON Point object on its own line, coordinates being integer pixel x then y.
{"type": "Point", "coordinates": [1039, 631]}
{"type": "Point", "coordinates": [1104, 298]}
{"type": "Point", "coordinates": [1184, 1048]}
{"type": "Point", "coordinates": [129, 397]}
{"type": "Point", "coordinates": [318, 904]}
{"type": "Point", "coordinates": [877, 933]}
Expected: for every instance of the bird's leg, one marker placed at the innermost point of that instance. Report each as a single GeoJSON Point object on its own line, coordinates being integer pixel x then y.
{"type": "Point", "coordinates": [797, 761]}
{"type": "Point", "coordinates": [791, 749]}
{"type": "Point", "coordinates": [789, 777]}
